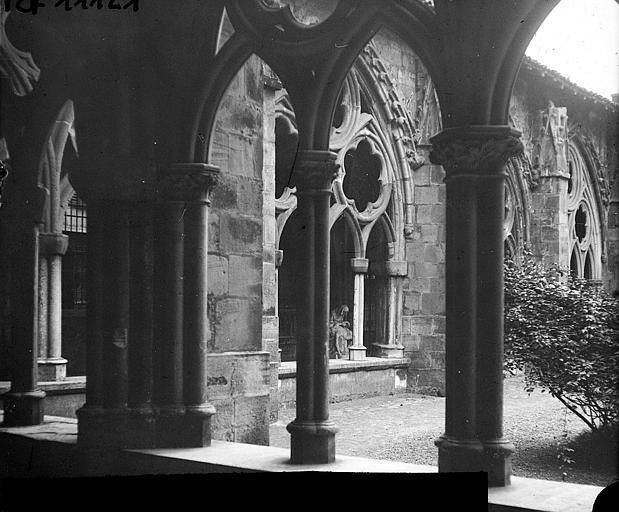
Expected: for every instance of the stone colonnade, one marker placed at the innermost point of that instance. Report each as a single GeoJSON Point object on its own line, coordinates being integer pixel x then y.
{"type": "Point", "coordinates": [147, 316]}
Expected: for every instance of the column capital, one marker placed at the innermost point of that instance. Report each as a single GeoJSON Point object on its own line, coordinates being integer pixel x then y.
{"type": "Point", "coordinates": [477, 150]}
{"type": "Point", "coordinates": [53, 244]}
{"type": "Point", "coordinates": [315, 170]}
{"type": "Point", "coordinates": [359, 265]}
{"type": "Point", "coordinates": [188, 183]}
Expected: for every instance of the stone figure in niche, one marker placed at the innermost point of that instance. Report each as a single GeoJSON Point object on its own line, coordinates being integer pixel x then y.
{"type": "Point", "coordinates": [340, 334]}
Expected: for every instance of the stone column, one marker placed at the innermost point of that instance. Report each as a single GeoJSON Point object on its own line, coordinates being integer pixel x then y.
{"type": "Point", "coordinates": [115, 322]}
{"type": "Point", "coordinates": [140, 431]}
{"type": "Point", "coordinates": [192, 184]}
{"type": "Point", "coordinates": [391, 348]}
{"type": "Point", "coordinates": [24, 402]}
{"type": "Point", "coordinates": [52, 247]}
{"type": "Point", "coordinates": [474, 158]}
{"type": "Point", "coordinates": [90, 415]}
{"type": "Point", "coordinates": [312, 432]}
{"type": "Point", "coordinates": [168, 318]}
{"type": "Point", "coordinates": [357, 350]}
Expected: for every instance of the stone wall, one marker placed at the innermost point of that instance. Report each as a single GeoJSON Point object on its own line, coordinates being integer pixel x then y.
{"type": "Point", "coordinates": [238, 365]}
{"type": "Point", "coordinates": [423, 302]}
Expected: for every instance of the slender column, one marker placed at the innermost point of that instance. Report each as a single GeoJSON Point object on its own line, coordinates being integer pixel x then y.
{"type": "Point", "coordinates": [23, 403]}
{"type": "Point", "coordinates": [474, 158]}
{"type": "Point", "coordinates": [357, 350]}
{"type": "Point", "coordinates": [43, 302]}
{"type": "Point", "coordinates": [140, 351]}
{"type": "Point", "coordinates": [52, 247]}
{"type": "Point", "coordinates": [490, 286]}
{"type": "Point", "coordinates": [168, 319]}
{"type": "Point", "coordinates": [391, 348]}
{"type": "Point", "coordinates": [116, 307]}
{"type": "Point", "coordinates": [192, 184]}
{"type": "Point", "coordinates": [91, 414]}
{"type": "Point", "coordinates": [312, 433]}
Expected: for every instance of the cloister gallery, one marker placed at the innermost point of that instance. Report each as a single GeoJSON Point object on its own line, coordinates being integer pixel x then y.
{"type": "Point", "coordinates": [211, 209]}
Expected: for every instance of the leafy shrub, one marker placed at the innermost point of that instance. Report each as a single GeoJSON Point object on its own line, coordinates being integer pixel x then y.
{"type": "Point", "coordinates": [562, 333]}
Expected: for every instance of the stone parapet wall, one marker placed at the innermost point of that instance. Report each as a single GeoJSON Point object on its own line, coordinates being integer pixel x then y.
{"type": "Point", "coordinates": [351, 379]}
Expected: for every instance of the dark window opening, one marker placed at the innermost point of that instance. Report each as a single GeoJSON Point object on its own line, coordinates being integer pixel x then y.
{"type": "Point", "coordinates": [74, 263]}
{"type": "Point", "coordinates": [570, 181]}
{"type": "Point", "coordinates": [581, 223]}
{"type": "Point", "coordinates": [286, 143]}
{"type": "Point", "coordinates": [588, 273]}
{"type": "Point", "coordinates": [362, 173]}
{"type": "Point", "coordinates": [574, 264]}
{"type": "Point", "coordinates": [340, 112]}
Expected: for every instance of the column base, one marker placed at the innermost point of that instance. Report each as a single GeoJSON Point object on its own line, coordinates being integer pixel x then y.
{"type": "Point", "coordinates": [312, 442]}
{"type": "Point", "coordinates": [51, 370]}
{"type": "Point", "coordinates": [196, 431]}
{"type": "Point", "coordinates": [491, 457]}
{"type": "Point", "coordinates": [388, 351]}
{"type": "Point", "coordinates": [139, 428]}
{"type": "Point", "coordinates": [23, 409]}
{"type": "Point", "coordinates": [356, 353]}
{"type": "Point", "coordinates": [497, 462]}
{"type": "Point", "coordinates": [99, 427]}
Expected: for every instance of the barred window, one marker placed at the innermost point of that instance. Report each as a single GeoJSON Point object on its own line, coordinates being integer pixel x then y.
{"type": "Point", "coordinates": [75, 216]}
{"type": "Point", "coordinates": [74, 261]}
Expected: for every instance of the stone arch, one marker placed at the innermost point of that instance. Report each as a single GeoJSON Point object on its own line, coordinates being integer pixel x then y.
{"type": "Point", "coordinates": [585, 208]}
{"type": "Point", "coordinates": [52, 180]}
{"type": "Point", "coordinates": [516, 227]}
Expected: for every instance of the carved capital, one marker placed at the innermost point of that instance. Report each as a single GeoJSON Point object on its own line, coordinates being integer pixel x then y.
{"type": "Point", "coordinates": [478, 150]}
{"type": "Point", "coordinates": [53, 244]}
{"type": "Point", "coordinates": [315, 171]}
{"type": "Point", "coordinates": [188, 183]}
{"type": "Point", "coordinates": [359, 265]}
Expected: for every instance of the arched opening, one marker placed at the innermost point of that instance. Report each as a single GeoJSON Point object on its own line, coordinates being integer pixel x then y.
{"type": "Point", "coordinates": [588, 270]}
{"type": "Point", "coordinates": [580, 223]}
{"type": "Point", "coordinates": [376, 292]}
{"type": "Point", "coordinates": [288, 305]}
{"type": "Point", "coordinates": [341, 293]}
{"type": "Point", "coordinates": [574, 267]}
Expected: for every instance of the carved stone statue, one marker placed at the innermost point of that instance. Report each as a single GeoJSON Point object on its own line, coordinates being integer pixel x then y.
{"type": "Point", "coordinates": [340, 334]}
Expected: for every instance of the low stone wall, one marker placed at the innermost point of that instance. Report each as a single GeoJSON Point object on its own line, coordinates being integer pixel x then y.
{"type": "Point", "coordinates": [350, 379]}
{"type": "Point", "coordinates": [238, 387]}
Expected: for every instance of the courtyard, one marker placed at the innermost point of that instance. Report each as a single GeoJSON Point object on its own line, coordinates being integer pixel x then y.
{"type": "Point", "coordinates": [403, 427]}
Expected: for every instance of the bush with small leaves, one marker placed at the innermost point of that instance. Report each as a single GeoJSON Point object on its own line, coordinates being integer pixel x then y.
{"type": "Point", "coordinates": [563, 333]}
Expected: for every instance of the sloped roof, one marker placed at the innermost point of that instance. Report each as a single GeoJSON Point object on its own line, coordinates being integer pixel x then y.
{"type": "Point", "coordinates": [556, 79]}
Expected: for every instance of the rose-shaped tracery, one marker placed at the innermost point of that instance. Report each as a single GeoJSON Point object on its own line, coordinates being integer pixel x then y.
{"type": "Point", "coordinates": [361, 181]}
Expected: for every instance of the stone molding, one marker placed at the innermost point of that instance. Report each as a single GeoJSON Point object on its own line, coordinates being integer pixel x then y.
{"type": "Point", "coordinates": [359, 265]}
{"type": "Point", "coordinates": [53, 244]}
{"type": "Point", "coordinates": [315, 171]}
{"type": "Point", "coordinates": [477, 150]}
{"type": "Point", "coordinates": [188, 183]}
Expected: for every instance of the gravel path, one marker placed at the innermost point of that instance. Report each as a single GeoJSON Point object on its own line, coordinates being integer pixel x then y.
{"type": "Point", "coordinates": [404, 427]}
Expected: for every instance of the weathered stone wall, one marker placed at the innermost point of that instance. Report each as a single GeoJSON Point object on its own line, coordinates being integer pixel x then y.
{"type": "Point", "coordinates": [423, 305]}
{"type": "Point", "coordinates": [548, 117]}
{"type": "Point", "coordinates": [238, 364]}
{"type": "Point", "coordinates": [235, 228]}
